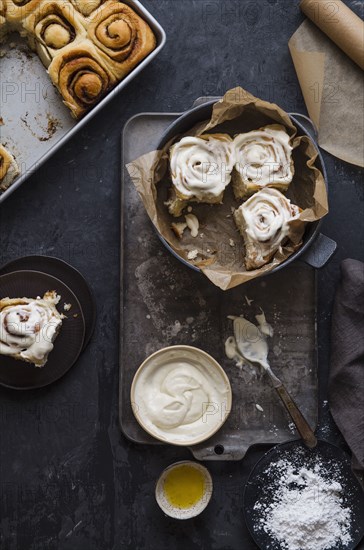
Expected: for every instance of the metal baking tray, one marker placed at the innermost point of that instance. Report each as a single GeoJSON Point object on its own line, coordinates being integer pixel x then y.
{"type": "Point", "coordinates": [36, 123]}
{"type": "Point", "coordinates": [163, 302]}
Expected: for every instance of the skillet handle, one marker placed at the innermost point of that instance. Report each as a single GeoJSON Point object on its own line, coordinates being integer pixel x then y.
{"type": "Point", "coordinates": [320, 252]}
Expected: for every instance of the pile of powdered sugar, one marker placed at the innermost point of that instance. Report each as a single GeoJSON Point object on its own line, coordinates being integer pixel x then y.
{"type": "Point", "coordinates": [306, 510]}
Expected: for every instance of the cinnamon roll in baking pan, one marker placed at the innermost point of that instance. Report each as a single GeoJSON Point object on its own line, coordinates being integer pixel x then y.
{"type": "Point", "coordinates": [53, 26]}
{"type": "Point", "coordinates": [263, 159]}
{"type": "Point", "coordinates": [28, 327]}
{"type": "Point", "coordinates": [3, 23]}
{"type": "Point", "coordinates": [122, 35]}
{"type": "Point", "coordinates": [8, 169]}
{"type": "Point", "coordinates": [86, 7]}
{"type": "Point", "coordinates": [200, 170]}
{"type": "Point", "coordinates": [264, 223]}
{"type": "Point", "coordinates": [81, 76]}
{"type": "Point", "coordinates": [18, 10]}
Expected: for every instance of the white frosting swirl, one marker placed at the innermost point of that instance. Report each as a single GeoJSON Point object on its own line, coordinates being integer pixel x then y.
{"type": "Point", "coordinates": [264, 222]}
{"type": "Point", "coordinates": [201, 166]}
{"type": "Point", "coordinates": [263, 157]}
{"type": "Point", "coordinates": [28, 327]}
{"type": "Point", "coordinates": [178, 395]}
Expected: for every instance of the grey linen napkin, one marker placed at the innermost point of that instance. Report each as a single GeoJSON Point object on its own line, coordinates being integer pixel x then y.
{"type": "Point", "coordinates": [346, 381]}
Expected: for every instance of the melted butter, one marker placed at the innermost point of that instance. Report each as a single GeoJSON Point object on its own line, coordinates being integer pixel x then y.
{"type": "Point", "coordinates": [184, 486]}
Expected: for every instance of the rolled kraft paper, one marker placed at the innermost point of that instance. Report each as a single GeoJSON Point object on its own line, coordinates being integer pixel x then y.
{"type": "Point", "coordinates": [340, 24]}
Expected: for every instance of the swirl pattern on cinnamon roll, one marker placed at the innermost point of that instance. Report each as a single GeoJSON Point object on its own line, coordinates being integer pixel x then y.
{"type": "Point", "coordinates": [264, 223]}
{"type": "Point", "coordinates": [200, 170]}
{"type": "Point", "coordinates": [8, 169]}
{"type": "Point", "coordinates": [122, 35]}
{"type": "Point", "coordinates": [28, 327]}
{"type": "Point", "coordinates": [52, 27]}
{"type": "Point", "coordinates": [263, 159]}
{"type": "Point", "coordinates": [80, 74]}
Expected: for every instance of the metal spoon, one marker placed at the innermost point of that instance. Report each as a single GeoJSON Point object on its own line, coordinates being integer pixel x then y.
{"type": "Point", "coordinates": [252, 345]}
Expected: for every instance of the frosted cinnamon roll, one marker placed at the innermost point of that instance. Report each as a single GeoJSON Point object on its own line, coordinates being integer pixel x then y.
{"type": "Point", "coordinates": [80, 74]}
{"type": "Point", "coordinates": [263, 159]}
{"type": "Point", "coordinates": [8, 169]}
{"type": "Point", "coordinates": [28, 327]}
{"type": "Point", "coordinates": [121, 34]}
{"type": "Point", "coordinates": [200, 170]}
{"type": "Point", "coordinates": [52, 27]}
{"type": "Point", "coordinates": [264, 223]}
{"type": "Point", "coordinates": [86, 7]}
{"type": "Point", "coordinates": [18, 10]}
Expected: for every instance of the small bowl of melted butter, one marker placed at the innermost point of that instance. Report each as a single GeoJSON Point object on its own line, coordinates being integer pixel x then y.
{"type": "Point", "coordinates": [184, 489]}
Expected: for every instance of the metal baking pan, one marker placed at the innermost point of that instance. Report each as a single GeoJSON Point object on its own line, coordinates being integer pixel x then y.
{"type": "Point", "coordinates": [36, 122]}
{"type": "Point", "coordinates": [165, 303]}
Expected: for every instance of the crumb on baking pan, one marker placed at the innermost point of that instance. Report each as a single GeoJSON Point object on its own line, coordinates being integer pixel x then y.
{"type": "Point", "coordinates": [67, 307]}
{"type": "Point", "coordinates": [52, 127]}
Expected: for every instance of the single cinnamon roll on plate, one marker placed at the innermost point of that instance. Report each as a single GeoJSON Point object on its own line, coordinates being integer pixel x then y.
{"type": "Point", "coordinates": [122, 35]}
{"type": "Point", "coordinates": [52, 27]}
{"type": "Point", "coordinates": [264, 223]}
{"type": "Point", "coordinates": [8, 169]}
{"type": "Point", "coordinates": [200, 170]}
{"type": "Point", "coordinates": [80, 73]}
{"type": "Point", "coordinates": [263, 159]}
{"type": "Point", "coordinates": [28, 327]}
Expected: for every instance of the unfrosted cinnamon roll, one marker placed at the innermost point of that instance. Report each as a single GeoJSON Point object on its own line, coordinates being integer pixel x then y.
{"type": "Point", "coordinates": [52, 27]}
{"type": "Point", "coordinates": [81, 76]}
{"type": "Point", "coordinates": [200, 170]}
{"type": "Point", "coordinates": [86, 7]}
{"type": "Point", "coordinates": [18, 10]}
{"type": "Point", "coordinates": [264, 223]}
{"type": "Point", "coordinates": [8, 169]}
{"type": "Point", "coordinates": [3, 24]}
{"type": "Point", "coordinates": [263, 159]}
{"type": "Point", "coordinates": [121, 34]}
{"type": "Point", "coordinates": [28, 327]}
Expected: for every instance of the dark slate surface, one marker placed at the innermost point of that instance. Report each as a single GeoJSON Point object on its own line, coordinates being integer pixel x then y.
{"type": "Point", "coordinates": [68, 479]}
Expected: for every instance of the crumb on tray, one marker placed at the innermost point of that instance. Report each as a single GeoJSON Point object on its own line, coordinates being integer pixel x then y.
{"type": "Point", "coordinates": [192, 254]}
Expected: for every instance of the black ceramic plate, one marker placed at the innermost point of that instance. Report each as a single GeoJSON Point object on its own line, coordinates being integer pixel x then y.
{"type": "Point", "coordinates": [68, 344]}
{"type": "Point", "coordinates": [261, 486]}
{"type": "Point", "coordinates": [65, 273]}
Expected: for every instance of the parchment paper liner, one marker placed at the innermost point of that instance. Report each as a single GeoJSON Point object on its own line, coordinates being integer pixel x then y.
{"type": "Point", "coordinates": [238, 111]}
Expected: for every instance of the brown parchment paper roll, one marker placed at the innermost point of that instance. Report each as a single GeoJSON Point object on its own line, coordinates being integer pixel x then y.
{"type": "Point", "coordinates": [332, 87]}
{"type": "Point", "coordinates": [220, 260]}
{"type": "Point", "coordinates": [340, 24]}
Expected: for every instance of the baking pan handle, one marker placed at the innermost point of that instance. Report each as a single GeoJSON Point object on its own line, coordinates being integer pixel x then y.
{"type": "Point", "coordinates": [320, 252]}
{"type": "Point", "coordinates": [312, 130]}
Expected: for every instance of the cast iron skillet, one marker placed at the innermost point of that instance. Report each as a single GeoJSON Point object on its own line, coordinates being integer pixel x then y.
{"type": "Point", "coordinates": [316, 249]}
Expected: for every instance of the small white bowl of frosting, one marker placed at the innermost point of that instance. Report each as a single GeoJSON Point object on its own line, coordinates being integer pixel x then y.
{"type": "Point", "coordinates": [181, 395]}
